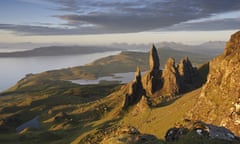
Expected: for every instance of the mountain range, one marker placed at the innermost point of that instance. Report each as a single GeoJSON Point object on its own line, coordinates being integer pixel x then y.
{"type": "Point", "coordinates": [208, 48]}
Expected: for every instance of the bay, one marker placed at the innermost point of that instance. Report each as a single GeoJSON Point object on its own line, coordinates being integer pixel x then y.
{"type": "Point", "coordinates": [14, 69]}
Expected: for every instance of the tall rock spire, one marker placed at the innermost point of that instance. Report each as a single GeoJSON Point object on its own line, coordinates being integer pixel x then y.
{"type": "Point", "coordinates": [154, 62]}
{"type": "Point", "coordinates": [135, 90]}
{"type": "Point", "coordinates": [152, 78]}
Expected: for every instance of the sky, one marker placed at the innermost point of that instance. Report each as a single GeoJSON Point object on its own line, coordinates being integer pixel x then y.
{"type": "Point", "coordinates": [111, 21]}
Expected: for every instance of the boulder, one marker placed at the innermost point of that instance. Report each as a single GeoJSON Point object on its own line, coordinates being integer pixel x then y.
{"type": "Point", "coordinates": [173, 134]}
{"type": "Point", "coordinates": [213, 131]}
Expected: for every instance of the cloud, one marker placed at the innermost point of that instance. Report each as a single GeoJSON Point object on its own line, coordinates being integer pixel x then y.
{"type": "Point", "coordinates": [43, 30]}
{"type": "Point", "coordinates": [114, 16]}
{"type": "Point", "coordinates": [211, 25]}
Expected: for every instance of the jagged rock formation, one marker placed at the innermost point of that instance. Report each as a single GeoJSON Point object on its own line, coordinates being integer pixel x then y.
{"type": "Point", "coordinates": [152, 78]}
{"type": "Point", "coordinates": [171, 79]}
{"type": "Point", "coordinates": [186, 70]}
{"type": "Point", "coordinates": [157, 83]}
{"type": "Point", "coordinates": [135, 91]}
{"type": "Point", "coordinates": [220, 96]}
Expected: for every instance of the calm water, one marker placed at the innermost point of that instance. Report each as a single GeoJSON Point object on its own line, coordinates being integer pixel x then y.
{"type": "Point", "coordinates": [121, 77]}
{"type": "Point", "coordinates": [13, 69]}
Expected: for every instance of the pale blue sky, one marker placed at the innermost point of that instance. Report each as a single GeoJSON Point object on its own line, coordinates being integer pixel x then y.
{"type": "Point", "coordinates": [107, 21]}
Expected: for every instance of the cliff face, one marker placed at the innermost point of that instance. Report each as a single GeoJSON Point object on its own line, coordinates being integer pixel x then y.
{"type": "Point", "coordinates": [219, 102]}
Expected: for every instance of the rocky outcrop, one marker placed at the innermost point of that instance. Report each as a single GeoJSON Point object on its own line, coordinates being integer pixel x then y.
{"type": "Point", "coordinates": [218, 102]}
{"type": "Point", "coordinates": [135, 91]}
{"type": "Point", "coordinates": [213, 131]}
{"type": "Point", "coordinates": [174, 134]}
{"type": "Point", "coordinates": [233, 45]}
{"type": "Point", "coordinates": [120, 135]}
{"type": "Point", "coordinates": [205, 133]}
{"type": "Point", "coordinates": [160, 83]}
{"type": "Point", "coordinates": [171, 79]}
{"type": "Point", "coordinates": [152, 79]}
{"type": "Point", "coordinates": [186, 70]}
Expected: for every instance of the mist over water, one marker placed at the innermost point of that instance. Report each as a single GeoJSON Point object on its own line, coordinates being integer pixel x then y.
{"type": "Point", "coordinates": [14, 69]}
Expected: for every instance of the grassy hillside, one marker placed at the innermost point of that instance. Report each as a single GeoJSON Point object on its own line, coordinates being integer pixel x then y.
{"type": "Point", "coordinates": [89, 107]}
{"type": "Point", "coordinates": [85, 107]}
{"type": "Point", "coordinates": [158, 120]}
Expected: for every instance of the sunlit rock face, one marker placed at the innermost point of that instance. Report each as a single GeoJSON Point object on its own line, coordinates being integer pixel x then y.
{"type": "Point", "coordinates": [220, 96]}
{"type": "Point", "coordinates": [171, 79]}
{"type": "Point", "coordinates": [152, 79]}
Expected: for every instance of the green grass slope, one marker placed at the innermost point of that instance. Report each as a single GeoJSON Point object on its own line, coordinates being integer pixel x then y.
{"type": "Point", "coordinates": [157, 121]}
